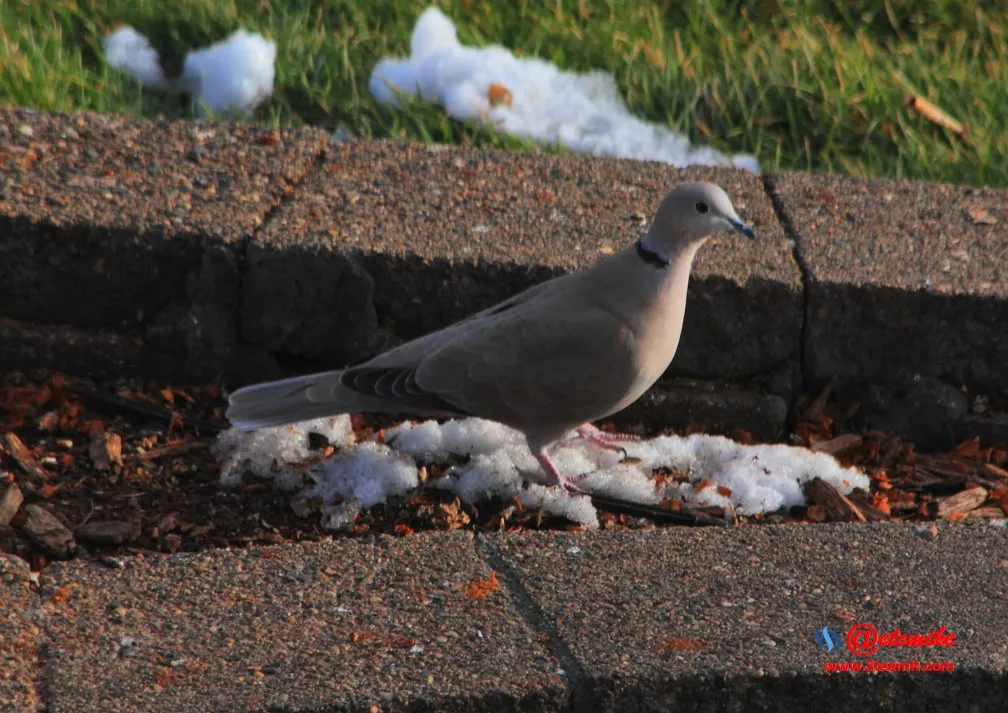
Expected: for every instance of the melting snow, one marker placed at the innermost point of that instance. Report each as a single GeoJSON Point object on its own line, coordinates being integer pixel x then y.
{"type": "Point", "coordinates": [230, 78]}
{"type": "Point", "coordinates": [748, 479]}
{"type": "Point", "coordinates": [530, 98]}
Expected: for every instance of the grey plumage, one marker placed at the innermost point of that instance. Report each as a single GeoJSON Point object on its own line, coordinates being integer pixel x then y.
{"type": "Point", "coordinates": [551, 359]}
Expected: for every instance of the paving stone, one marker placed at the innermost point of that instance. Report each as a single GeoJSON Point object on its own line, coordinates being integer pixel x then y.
{"type": "Point", "coordinates": [96, 353]}
{"type": "Point", "coordinates": [715, 408]}
{"type": "Point", "coordinates": [117, 222]}
{"type": "Point", "coordinates": [334, 626]}
{"type": "Point", "coordinates": [904, 278]}
{"type": "Point", "coordinates": [724, 619]}
{"type": "Point", "coordinates": [429, 234]}
{"type": "Point", "coordinates": [20, 622]}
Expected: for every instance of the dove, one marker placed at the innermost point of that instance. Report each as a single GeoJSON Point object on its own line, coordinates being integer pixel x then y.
{"type": "Point", "coordinates": [547, 362]}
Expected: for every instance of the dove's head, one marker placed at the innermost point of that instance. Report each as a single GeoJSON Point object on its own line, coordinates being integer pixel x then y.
{"type": "Point", "coordinates": [688, 216]}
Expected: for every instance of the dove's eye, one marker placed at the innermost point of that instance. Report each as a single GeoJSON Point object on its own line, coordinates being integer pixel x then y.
{"type": "Point", "coordinates": [702, 208]}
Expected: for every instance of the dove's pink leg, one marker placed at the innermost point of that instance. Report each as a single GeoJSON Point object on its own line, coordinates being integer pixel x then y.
{"type": "Point", "coordinates": [567, 482]}
{"type": "Point", "coordinates": [609, 441]}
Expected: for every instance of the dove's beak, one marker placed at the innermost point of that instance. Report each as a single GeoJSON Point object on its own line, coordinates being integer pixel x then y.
{"type": "Point", "coordinates": [743, 228]}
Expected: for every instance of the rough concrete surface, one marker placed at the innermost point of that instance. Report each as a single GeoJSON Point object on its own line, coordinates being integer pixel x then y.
{"type": "Point", "coordinates": [96, 353]}
{"type": "Point", "coordinates": [716, 408]}
{"type": "Point", "coordinates": [348, 625]}
{"type": "Point", "coordinates": [429, 234]}
{"type": "Point", "coordinates": [117, 222]}
{"type": "Point", "coordinates": [903, 278]}
{"type": "Point", "coordinates": [20, 624]}
{"type": "Point", "coordinates": [705, 620]}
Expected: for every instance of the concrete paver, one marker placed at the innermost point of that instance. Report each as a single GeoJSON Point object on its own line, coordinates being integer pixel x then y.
{"type": "Point", "coordinates": [430, 234]}
{"type": "Point", "coordinates": [97, 353]}
{"type": "Point", "coordinates": [701, 620]}
{"type": "Point", "coordinates": [20, 625]}
{"type": "Point", "coordinates": [335, 626]}
{"type": "Point", "coordinates": [904, 278]}
{"type": "Point", "coordinates": [117, 222]}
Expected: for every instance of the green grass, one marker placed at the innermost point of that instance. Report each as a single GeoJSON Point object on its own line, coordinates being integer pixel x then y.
{"type": "Point", "coordinates": [803, 84]}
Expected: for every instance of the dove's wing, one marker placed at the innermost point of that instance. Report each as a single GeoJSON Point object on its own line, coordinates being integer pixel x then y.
{"type": "Point", "coordinates": [538, 370]}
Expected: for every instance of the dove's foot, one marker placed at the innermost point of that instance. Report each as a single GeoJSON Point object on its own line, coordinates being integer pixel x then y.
{"type": "Point", "coordinates": [609, 441]}
{"type": "Point", "coordinates": [568, 483]}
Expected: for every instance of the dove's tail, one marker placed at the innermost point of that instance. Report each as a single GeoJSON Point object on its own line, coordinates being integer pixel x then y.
{"type": "Point", "coordinates": [276, 403]}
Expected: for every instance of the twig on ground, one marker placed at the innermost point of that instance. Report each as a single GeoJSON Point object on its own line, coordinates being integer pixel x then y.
{"type": "Point", "coordinates": [156, 413]}
{"type": "Point", "coordinates": [652, 512]}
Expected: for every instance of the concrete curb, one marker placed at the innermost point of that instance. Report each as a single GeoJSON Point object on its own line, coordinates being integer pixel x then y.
{"type": "Point", "coordinates": [191, 250]}
{"type": "Point", "coordinates": [673, 619]}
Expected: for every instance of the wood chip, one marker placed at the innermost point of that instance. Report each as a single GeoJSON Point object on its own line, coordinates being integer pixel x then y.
{"type": "Point", "coordinates": [838, 506]}
{"type": "Point", "coordinates": [986, 513]}
{"type": "Point", "coordinates": [10, 503]}
{"type": "Point", "coordinates": [838, 444]}
{"type": "Point", "coordinates": [992, 471]}
{"type": "Point", "coordinates": [961, 503]}
{"type": "Point", "coordinates": [176, 449]}
{"type": "Point", "coordinates": [42, 528]}
{"type": "Point", "coordinates": [23, 457]}
{"type": "Point", "coordinates": [105, 449]}
{"type": "Point", "coordinates": [49, 421]}
{"type": "Point", "coordinates": [108, 532]}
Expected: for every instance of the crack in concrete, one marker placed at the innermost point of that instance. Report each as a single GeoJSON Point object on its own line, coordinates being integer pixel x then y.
{"type": "Point", "coordinates": [534, 616]}
{"type": "Point", "coordinates": [770, 188]}
{"type": "Point", "coordinates": [243, 245]}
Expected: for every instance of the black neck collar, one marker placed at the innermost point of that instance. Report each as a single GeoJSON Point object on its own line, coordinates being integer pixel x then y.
{"type": "Point", "coordinates": [651, 257]}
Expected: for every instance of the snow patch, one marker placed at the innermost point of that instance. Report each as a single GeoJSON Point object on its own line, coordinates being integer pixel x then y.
{"type": "Point", "coordinates": [531, 99]}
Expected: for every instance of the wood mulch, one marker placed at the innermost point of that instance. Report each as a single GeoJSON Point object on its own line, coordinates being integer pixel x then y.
{"type": "Point", "coordinates": [127, 467]}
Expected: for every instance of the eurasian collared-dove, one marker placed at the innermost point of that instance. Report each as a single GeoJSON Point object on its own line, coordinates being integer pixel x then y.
{"type": "Point", "coordinates": [549, 360]}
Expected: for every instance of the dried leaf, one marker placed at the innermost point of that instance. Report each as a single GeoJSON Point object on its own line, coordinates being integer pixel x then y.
{"type": "Point", "coordinates": [499, 94]}
{"type": "Point", "coordinates": [268, 138]}
{"type": "Point", "coordinates": [682, 644]}
{"type": "Point", "coordinates": [880, 501]}
{"type": "Point", "coordinates": [482, 588]}
{"type": "Point", "coordinates": [60, 595]}
{"type": "Point", "coordinates": [935, 115]}
{"type": "Point", "coordinates": [982, 217]}
{"type": "Point", "coordinates": [742, 436]}
{"type": "Point", "coordinates": [838, 444]}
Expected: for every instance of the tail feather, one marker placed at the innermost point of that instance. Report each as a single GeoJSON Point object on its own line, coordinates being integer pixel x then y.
{"type": "Point", "coordinates": [273, 389]}
{"type": "Point", "coordinates": [276, 403]}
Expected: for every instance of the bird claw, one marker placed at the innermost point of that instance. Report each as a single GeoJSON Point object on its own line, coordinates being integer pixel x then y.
{"type": "Point", "coordinates": [608, 441]}
{"type": "Point", "coordinates": [569, 484]}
